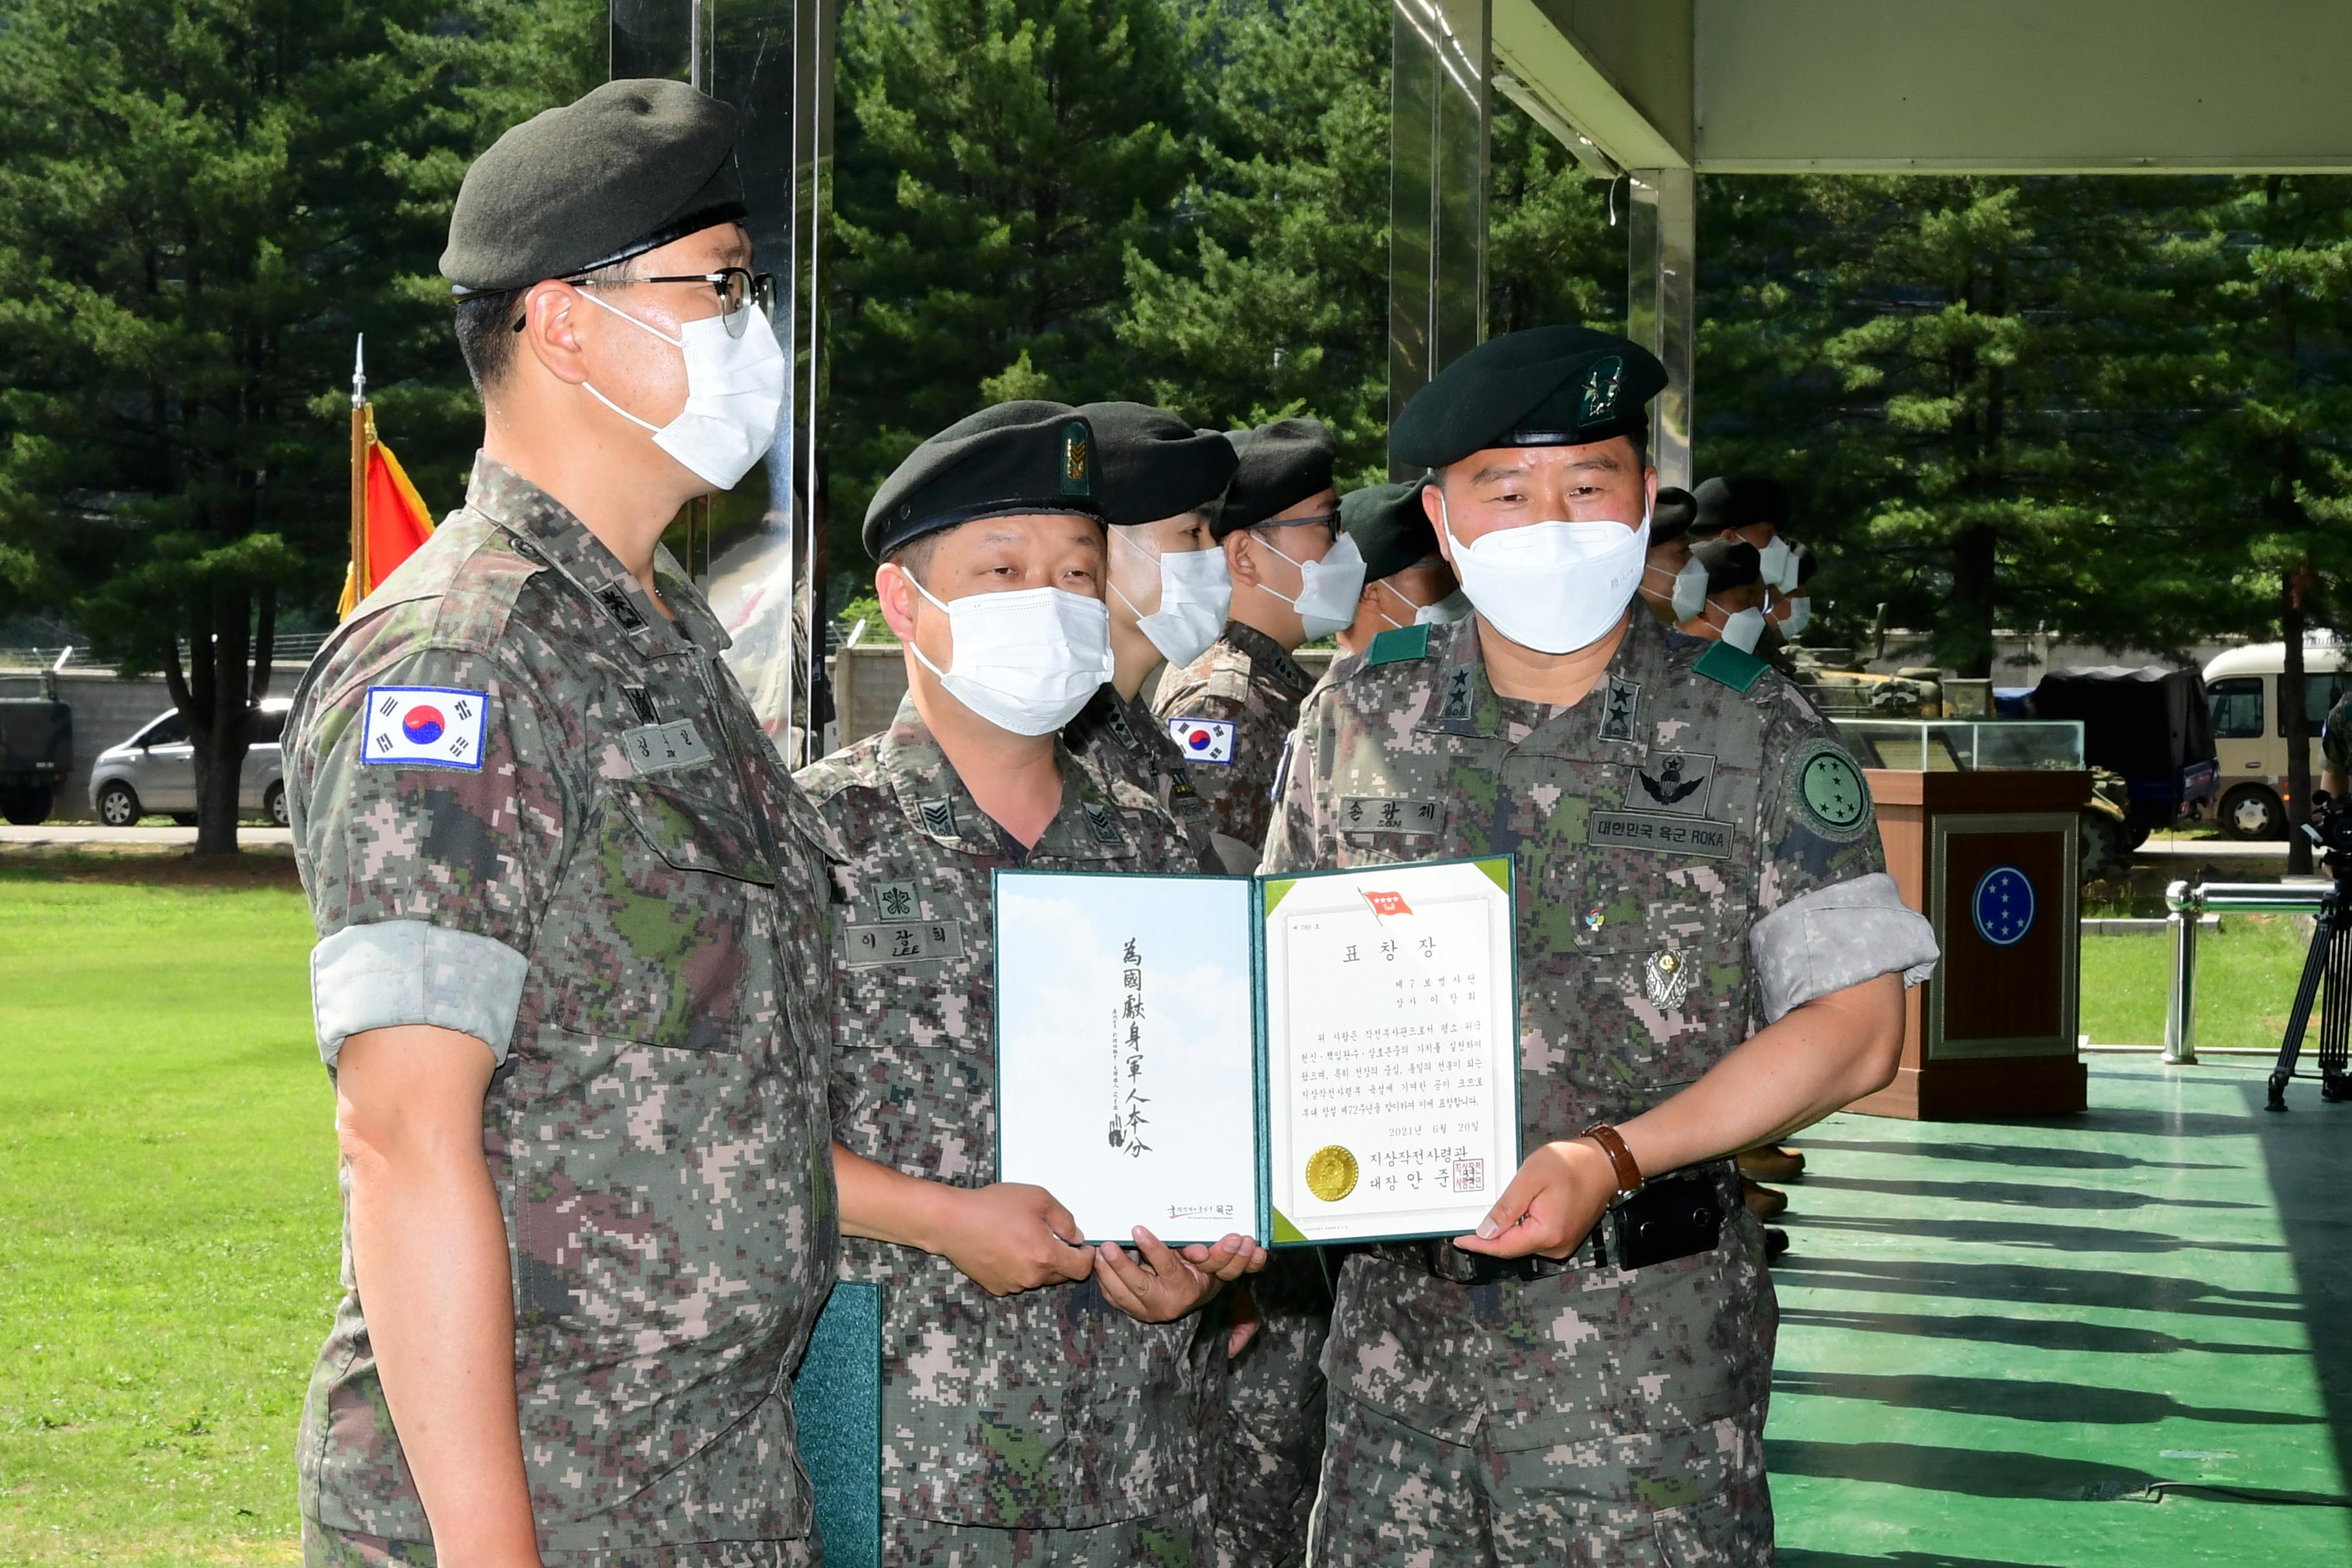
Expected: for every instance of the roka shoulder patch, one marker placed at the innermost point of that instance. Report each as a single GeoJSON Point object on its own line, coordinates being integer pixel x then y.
{"type": "Point", "coordinates": [425, 726]}
{"type": "Point", "coordinates": [1727, 666]}
{"type": "Point", "coordinates": [1830, 792]}
{"type": "Point", "coordinates": [1397, 645]}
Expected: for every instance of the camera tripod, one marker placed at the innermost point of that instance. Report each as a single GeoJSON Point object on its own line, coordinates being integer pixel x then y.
{"type": "Point", "coordinates": [2328, 976]}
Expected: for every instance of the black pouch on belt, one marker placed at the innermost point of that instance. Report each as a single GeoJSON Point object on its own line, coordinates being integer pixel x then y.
{"type": "Point", "coordinates": [1673, 1216]}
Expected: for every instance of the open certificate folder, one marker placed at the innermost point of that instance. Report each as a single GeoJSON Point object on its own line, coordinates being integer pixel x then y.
{"type": "Point", "coordinates": [1324, 1058]}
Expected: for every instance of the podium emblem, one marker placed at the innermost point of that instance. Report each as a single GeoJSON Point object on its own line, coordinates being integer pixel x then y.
{"type": "Point", "coordinates": [2003, 906]}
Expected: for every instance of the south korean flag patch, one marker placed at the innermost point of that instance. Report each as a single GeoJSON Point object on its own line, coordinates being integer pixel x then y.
{"type": "Point", "coordinates": [1204, 740]}
{"type": "Point", "coordinates": [425, 726]}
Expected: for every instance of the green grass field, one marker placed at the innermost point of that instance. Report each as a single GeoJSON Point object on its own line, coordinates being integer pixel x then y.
{"type": "Point", "coordinates": [167, 1218]}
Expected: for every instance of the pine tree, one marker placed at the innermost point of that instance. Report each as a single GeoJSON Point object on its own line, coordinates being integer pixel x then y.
{"type": "Point", "coordinates": [998, 159]}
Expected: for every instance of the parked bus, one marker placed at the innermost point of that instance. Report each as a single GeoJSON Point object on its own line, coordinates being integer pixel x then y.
{"type": "Point", "coordinates": [2249, 729]}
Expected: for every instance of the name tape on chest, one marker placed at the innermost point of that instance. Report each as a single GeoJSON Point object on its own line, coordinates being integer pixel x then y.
{"type": "Point", "coordinates": [664, 748]}
{"type": "Point", "coordinates": [1658, 834]}
{"type": "Point", "coordinates": [911, 942]}
{"type": "Point", "coordinates": [425, 726]}
{"type": "Point", "coordinates": [1391, 814]}
{"type": "Point", "coordinates": [1204, 740]}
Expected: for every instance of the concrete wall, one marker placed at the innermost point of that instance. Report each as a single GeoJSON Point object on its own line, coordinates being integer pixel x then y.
{"type": "Point", "coordinates": [107, 711]}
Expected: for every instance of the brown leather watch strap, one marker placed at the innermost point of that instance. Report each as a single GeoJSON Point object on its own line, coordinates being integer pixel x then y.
{"type": "Point", "coordinates": [1621, 1158]}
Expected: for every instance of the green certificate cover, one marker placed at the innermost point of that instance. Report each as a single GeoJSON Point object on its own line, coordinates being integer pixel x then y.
{"type": "Point", "coordinates": [1331, 1057]}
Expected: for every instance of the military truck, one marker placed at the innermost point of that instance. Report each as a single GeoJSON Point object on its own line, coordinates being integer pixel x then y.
{"type": "Point", "coordinates": [36, 757]}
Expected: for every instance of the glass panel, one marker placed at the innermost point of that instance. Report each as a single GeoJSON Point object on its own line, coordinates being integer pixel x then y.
{"type": "Point", "coordinates": [2319, 695]}
{"type": "Point", "coordinates": [1933, 747]}
{"type": "Point", "coordinates": [169, 731]}
{"type": "Point", "coordinates": [2236, 705]}
{"type": "Point", "coordinates": [1437, 189]}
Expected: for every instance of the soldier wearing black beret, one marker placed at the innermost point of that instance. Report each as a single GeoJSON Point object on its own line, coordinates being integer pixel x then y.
{"type": "Point", "coordinates": [1756, 508]}
{"type": "Point", "coordinates": [1406, 582]}
{"type": "Point", "coordinates": [1709, 954]}
{"type": "Point", "coordinates": [572, 981]}
{"type": "Point", "coordinates": [1671, 587]}
{"type": "Point", "coordinates": [1295, 578]}
{"type": "Point", "coordinates": [1733, 609]}
{"type": "Point", "coordinates": [1169, 590]}
{"type": "Point", "coordinates": [990, 537]}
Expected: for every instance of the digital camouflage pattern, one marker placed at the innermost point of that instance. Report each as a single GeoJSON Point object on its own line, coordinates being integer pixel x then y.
{"type": "Point", "coordinates": [1267, 1450]}
{"type": "Point", "coordinates": [1166, 1541]}
{"type": "Point", "coordinates": [1244, 680]}
{"type": "Point", "coordinates": [657, 1135]}
{"type": "Point", "coordinates": [1122, 737]}
{"type": "Point", "coordinates": [1653, 826]}
{"type": "Point", "coordinates": [1049, 1409]}
{"type": "Point", "coordinates": [2335, 739]}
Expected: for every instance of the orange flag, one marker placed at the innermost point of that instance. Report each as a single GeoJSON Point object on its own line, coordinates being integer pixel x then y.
{"type": "Point", "coordinates": [394, 523]}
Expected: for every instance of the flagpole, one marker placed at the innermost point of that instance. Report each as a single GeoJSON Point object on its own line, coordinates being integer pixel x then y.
{"type": "Point", "coordinates": [359, 470]}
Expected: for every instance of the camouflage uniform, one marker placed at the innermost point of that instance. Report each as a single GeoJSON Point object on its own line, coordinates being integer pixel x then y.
{"type": "Point", "coordinates": [1247, 682]}
{"type": "Point", "coordinates": [1121, 736]}
{"type": "Point", "coordinates": [1046, 1425]}
{"type": "Point", "coordinates": [610, 881]}
{"type": "Point", "coordinates": [1268, 1447]}
{"type": "Point", "coordinates": [1694, 850]}
{"type": "Point", "coordinates": [2335, 739]}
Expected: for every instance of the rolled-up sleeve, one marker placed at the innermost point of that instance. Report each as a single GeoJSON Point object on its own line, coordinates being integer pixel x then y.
{"type": "Point", "coordinates": [427, 874]}
{"type": "Point", "coordinates": [1837, 936]}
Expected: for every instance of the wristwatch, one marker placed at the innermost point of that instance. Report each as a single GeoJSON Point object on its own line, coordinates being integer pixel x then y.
{"type": "Point", "coordinates": [1621, 1159]}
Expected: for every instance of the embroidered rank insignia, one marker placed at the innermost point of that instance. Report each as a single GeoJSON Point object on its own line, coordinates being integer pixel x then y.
{"type": "Point", "coordinates": [938, 817]}
{"type": "Point", "coordinates": [641, 701]}
{"type": "Point", "coordinates": [1077, 458]}
{"type": "Point", "coordinates": [617, 605]}
{"type": "Point", "coordinates": [1120, 730]}
{"type": "Point", "coordinates": [1665, 981]}
{"type": "Point", "coordinates": [425, 726]}
{"type": "Point", "coordinates": [1457, 695]}
{"type": "Point", "coordinates": [1106, 831]}
{"type": "Point", "coordinates": [1624, 705]}
{"type": "Point", "coordinates": [1204, 740]}
{"type": "Point", "coordinates": [664, 748]}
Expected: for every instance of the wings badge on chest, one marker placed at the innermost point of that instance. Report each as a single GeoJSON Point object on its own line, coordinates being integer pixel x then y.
{"type": "Point", "coordinates": [1677, 782]}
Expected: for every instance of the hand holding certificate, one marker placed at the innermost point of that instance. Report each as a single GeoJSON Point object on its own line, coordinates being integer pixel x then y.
{"type": "Point", "coordinates": [1315, 1058]}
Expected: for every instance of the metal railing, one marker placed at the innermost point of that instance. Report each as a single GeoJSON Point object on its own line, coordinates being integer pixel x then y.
{"type": "Point", "coordinates": [2187, 905]}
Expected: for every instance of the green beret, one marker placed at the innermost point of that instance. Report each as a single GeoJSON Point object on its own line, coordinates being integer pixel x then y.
{"type": "Point", "coordinates": [1025, 456]}
{"type": "Point", "coordinates": [1546, 386]}
{"type": "Point", "coordinates": [630, 166]}
{"type": "Point", "coordinates": [1391, 529]}
{"type": "Point", "coordinates": [1729, 562]}
{"type": "Point", "coordinates": [1152, 465]}
{"type": "Point", "coordinates": [1741, 500]}
{"type": "Point", "coordinates": [1670, 515]}
{"type": "Point", "coordinates": [1281, 465]}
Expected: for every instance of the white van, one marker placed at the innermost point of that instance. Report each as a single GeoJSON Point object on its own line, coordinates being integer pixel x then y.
{"type": "Point", "coordinates": [2250, 728]}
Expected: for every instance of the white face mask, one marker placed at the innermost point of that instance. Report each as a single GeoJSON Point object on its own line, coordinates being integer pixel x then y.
{"type": "Point", "coordinates": [1454, 606]}
{"type": "Point", "coordinates": [1025, 660]}
{"type": "Point", "coordinates": [1800, 614]}
{"type": "Point", "coordinates": [1690, 591]}
{"type": "Point", "coordinates": [734, 395]}
{"type": "Point", "coordinates": [1778, 563]}
{"type": "Point", "coordinates": [1743, 629]}
{"type": "Point", "coordinates": [1195, 590]}
{"type": "Point", "coordinates": [1554, 588]}
{"type": "Point", "coordinates": [1328, 589]}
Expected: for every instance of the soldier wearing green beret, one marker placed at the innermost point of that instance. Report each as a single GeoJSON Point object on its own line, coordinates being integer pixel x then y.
{"type": "Point", "coordinates": [1039, 1398]}
{"type": "Point", "coordinates": [1295, 578]}
{"type": "Point", "coordinates": [571, 984]}
{"type": "Point", "coordinates": [1158, 481]}
{"type": "Point", "coordinates": [1406, 582]}
{"type": "Point", "coordinates": [1709, 953]}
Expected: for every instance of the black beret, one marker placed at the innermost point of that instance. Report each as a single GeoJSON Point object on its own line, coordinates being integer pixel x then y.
{"type": "Point", "coordinates": [1025, 457]}
{"type": "Point", "coordinates": [1741, 500]}
{"type": "Point", "coordinates": [1281, 465]}
{"type": "Point", "coordinates": [1729, 562]}
{"type": "Point", "coordinates": [1151, 465]}
{"type": "Point", "coordinates": [1546, 386]}
{"type": "Point", "coordinates": [1391, 529]}
{"type": "Point", "coordinates": [629, 166]}
{"type": "Point", "coordinates": [1670, 515]}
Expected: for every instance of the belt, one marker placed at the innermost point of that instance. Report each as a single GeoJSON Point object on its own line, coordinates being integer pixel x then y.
{"type": "Point", "coordinates": [1679, 1215]}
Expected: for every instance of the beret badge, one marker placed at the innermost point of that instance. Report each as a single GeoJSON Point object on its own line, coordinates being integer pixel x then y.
{"type": "Point", "coordinates": [1078, 476]}
{"type": "Point", "coordinates": [1602, 383]}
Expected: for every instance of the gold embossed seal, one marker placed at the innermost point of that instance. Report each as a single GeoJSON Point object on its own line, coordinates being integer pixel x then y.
{"type": "Point", "coordinates": [1330, 1172]}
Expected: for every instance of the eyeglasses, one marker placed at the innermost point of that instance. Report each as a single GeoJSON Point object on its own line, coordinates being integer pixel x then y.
{"type": "Point", "coordinates": [737, 287]}
{"type": "Point", "coordinates": [1327, 521]}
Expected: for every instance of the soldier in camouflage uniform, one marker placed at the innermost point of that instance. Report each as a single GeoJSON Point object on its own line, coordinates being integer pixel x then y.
{"type": "Point", "coordinates": [570, 980]}
{"type": "Point", "coordinates": [1158, 480]}
{"type": "Point", "coordinates": [1295, 577]}
{"type": "Point", "coordinates": [1695, 853]}
{"type": "Point", "coordinates": [1038, 1398]}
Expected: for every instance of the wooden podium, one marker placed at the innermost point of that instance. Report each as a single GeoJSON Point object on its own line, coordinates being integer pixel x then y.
{"type": "Point", "coordinates": [1991, 857]}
